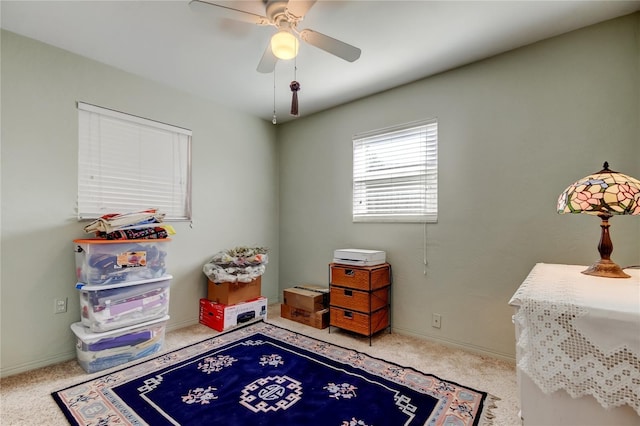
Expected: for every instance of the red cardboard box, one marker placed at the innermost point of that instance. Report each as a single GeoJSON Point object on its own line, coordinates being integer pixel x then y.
{"type": "Point", "coordinates": [222, 317]}
{"type": "Point", "coordinates": [233, 293]}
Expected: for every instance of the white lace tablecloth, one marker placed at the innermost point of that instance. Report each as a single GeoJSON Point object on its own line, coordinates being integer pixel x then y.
{"type": "Point", "coordinates": [580, 333]}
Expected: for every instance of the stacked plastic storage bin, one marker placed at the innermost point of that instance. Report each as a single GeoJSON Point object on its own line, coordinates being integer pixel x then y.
{"type": "Point", "coordinates": [124, 300]}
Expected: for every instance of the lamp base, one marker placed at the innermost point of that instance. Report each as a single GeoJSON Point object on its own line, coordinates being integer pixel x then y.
{"type": "Point", "coordinates": [606, 268]}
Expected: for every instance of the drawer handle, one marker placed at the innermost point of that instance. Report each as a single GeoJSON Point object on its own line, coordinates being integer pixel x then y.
{"type": "Point", "coordinates": [348, 314]}
{"type": "Point", "coordinates": [348, 293]}
{"type": "Point", "coordinates": [349, 272]}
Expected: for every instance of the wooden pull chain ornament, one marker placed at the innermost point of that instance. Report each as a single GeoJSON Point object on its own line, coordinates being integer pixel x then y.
{"type": "Point", "coordinates": [295, 86]}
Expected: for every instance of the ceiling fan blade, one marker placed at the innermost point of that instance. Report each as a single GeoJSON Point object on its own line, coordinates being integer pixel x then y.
{"type": "Point", "coordinates": [218, 11]}
{"type": "Point", "coordinates": [329, 44]}
{"type": "Point", "coordinates": [268, 62]}
{"type": "Point", "coordinates": [299, 8]}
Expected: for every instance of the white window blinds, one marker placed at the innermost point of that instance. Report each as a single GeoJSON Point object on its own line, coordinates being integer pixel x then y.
{"type": "Point", "coordinates": [395, 174]}
{"type": "Point", "coordinates": [127, 163]}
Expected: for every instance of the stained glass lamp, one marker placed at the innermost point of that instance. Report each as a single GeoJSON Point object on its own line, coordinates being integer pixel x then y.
{"type": "Point", "coordinates": [603, 194]}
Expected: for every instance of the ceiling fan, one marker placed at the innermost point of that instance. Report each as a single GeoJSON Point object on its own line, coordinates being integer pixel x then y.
{"type": "Point", "coordinates": [285, 16]}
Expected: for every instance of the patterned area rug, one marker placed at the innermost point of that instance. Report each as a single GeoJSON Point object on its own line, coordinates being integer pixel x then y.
{"type": "Point", "coordinates": [262, 374]}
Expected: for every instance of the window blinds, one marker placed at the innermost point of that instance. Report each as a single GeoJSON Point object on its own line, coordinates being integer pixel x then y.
{"type": "Point", "coordinates": [128, 163]}
{"type": "Point", "coordinates": [395, 174]}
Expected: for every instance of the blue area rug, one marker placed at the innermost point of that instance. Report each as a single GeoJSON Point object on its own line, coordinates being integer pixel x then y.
{"type": "Point", "coordinates": [262, 374]}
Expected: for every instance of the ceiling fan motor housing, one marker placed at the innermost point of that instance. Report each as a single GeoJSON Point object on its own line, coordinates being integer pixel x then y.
{"type": "Point", "coordinates": [276, 12]}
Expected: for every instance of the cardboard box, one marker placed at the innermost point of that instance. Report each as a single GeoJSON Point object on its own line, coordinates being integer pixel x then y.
{"type": "Point", "coordinates": [233, 293]}
{"type": "Point", "coordinates": [319, 319]}
{"type": "Point", "coordinates": [314, 287]}
{"type": "Point", "coordinates": [308, 300]}
{"type": "Point", "coordinates": [318, 288]}
{"type": "Point", "coordinates": [222, 317]}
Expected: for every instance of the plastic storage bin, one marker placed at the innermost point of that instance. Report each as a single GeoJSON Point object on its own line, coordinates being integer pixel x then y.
{"type": "Point", "coordinates": [99, 351]}
{"type": "Point", "coordinates": [110, 306]}
{"type": "Point", "coordinates": [101, 261]}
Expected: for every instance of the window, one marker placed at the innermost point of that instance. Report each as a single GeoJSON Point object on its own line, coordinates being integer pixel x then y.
{"type": "Point", "coordinates": [127, 163]}
{"type": "Point", "coordinates": [395, 174]}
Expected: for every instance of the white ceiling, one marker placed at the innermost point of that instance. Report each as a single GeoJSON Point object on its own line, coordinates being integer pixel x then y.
{"type": "Point", "coordinates": [216, 58]}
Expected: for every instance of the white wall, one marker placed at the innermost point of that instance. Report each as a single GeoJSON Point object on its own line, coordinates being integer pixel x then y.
{"type": "Point", "coordinates": [514, 131]}
{"type": "Point", "coordinates": [235, 191]}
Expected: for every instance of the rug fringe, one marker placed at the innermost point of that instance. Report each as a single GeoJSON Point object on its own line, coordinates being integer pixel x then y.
{"type": "Point", "coordinates": [487, 417]}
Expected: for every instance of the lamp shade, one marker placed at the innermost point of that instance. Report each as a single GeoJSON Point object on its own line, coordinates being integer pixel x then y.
{"type": "Point", "coordinates": [605, 192]}
{"type": "Point", "coordinates": [284, 45]}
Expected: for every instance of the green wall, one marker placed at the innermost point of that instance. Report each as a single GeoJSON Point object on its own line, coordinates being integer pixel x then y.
{"type": "Point", "coordinates": [235, 191]}
{"type": "Point", "coordinates": [514, 131]}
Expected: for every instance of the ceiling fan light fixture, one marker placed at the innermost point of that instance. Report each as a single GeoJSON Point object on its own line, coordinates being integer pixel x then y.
{"type": "Point", "coordinates": [284, 45]}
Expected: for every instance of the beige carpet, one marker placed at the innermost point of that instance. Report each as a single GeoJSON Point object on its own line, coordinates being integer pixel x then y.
{"type": "Point", "coordinates": [26, 400]}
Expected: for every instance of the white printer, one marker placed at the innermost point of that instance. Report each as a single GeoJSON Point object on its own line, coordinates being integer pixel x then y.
{"type": "Point", "coordinates": [359, 257]}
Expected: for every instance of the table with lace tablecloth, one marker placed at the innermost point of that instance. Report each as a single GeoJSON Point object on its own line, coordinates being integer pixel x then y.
{"type": "Point", "coordinates": [580, 334]}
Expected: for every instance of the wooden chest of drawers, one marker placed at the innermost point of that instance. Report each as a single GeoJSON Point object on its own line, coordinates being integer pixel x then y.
{"type": "Point", "coordinates": [360, 298]}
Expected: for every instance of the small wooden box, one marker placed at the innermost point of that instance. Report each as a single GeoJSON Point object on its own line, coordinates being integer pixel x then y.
{"type": "Point", "coordinates": [360, 277]}
{"type": "Point", "coordinates": [366, 324]}
{"type": "Point", "coordinates": [319, 319]}
{"type": "Point", "coordinates": [232, 293]}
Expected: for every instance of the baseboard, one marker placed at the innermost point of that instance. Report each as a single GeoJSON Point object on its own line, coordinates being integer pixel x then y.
{"type": "Point", "coordinates": [453, 344]}
{"type": "Point", "coordinates": [68, 356]}
{"type": "Point", "coordinates": [171, 326]}
{"type": "Point", "coordinates": [458, 345]}
{"type": "Point", "coordinates": [40, 363]}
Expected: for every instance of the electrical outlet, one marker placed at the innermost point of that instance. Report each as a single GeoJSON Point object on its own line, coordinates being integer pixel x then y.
{"type": "Point", "coordinates": [436, 320]}
{"type": "Point", "coordinates": [59, 305]}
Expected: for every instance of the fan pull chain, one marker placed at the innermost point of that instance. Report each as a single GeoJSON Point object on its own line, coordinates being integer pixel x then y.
{"type": "Point", "coordinates": [274, 120]}
{"type": "Point", "coordinates": [295, 87]}
{"type": "Point", "coordinates": [425, 261]}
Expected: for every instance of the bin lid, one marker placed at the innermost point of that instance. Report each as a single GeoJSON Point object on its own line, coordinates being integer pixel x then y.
{"type": "Point", "coordinates": [103, 241]}
{"type": "Point", "coordinates": [85, 332]}
{"type": "Point", "coordinates": [94, 287]}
